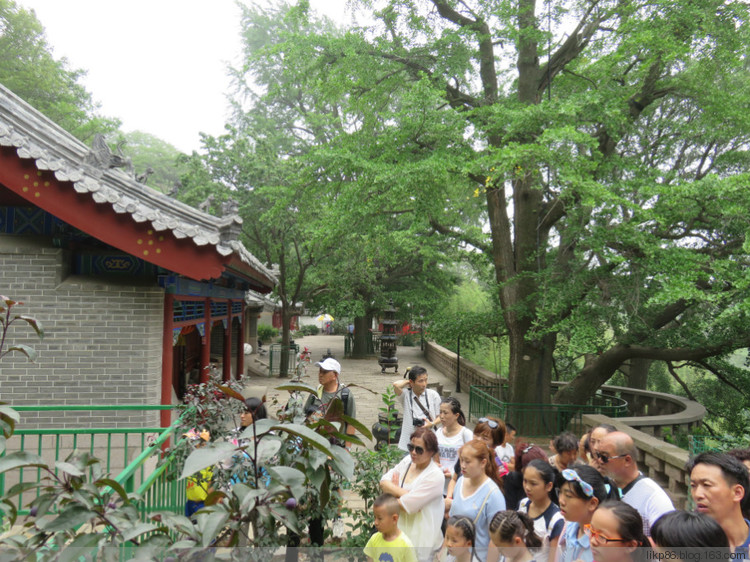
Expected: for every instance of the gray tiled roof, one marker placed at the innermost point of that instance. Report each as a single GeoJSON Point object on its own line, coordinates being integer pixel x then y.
{"type": "Point", "coordinates": [54, 149]}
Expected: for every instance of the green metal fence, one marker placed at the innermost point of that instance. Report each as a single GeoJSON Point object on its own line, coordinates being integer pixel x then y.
{"type": "Point", "coordinates": [275, 357]}
{"type": "Point", "coordinates": [540, 420]}
{"type": "Point", "coordinates": [115, 447]}
{"type": "Point", "coordinates": [373, 345]}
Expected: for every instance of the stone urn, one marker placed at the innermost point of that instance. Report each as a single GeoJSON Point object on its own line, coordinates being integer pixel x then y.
{"type": "Point", "coordinates": [380, 430]}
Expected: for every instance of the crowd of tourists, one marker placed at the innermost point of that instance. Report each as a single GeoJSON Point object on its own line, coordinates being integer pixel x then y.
{"type": "Point", "coordinates": [483, 494]}
{"type": "Point", "coordinates": [463, 494]}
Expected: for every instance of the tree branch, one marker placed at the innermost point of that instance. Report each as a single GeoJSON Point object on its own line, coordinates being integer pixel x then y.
{"type": "Point", "coordinates": [458, 235]}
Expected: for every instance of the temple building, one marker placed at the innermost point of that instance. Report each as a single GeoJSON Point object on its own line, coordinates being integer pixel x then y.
{"type": "Point", "coordinates": [138, 293]}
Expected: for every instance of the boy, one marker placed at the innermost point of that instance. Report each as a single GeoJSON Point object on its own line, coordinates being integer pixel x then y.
{"type": "Point", "coordinates": [199, 484]}
{"type": "Point", "coordinates": [389, 544]}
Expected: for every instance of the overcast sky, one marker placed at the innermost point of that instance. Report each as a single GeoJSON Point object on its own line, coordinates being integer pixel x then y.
{"type": "Point", "coordinates": [157, 65]}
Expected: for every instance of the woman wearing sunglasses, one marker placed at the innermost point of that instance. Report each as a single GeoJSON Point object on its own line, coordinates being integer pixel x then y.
{"type": "Point", "coordinates": [417, 482]}
{"type": "Point", "coordinates": [580, 495]}
{"type": "Point", "coordinates": [616, 533]}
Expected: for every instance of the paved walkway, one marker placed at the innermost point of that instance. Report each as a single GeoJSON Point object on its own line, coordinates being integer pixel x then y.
{"type": "Point", "coordinates": [364, 373]}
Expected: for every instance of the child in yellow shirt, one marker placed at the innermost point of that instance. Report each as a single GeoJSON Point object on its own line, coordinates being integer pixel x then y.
{"type": "Point", "coordinates": [389, 544]}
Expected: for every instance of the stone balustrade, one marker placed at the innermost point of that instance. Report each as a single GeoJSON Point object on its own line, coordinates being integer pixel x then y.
{"type": "Point", "coordinates": [651, 415]}
{"type": "Point", "coordinates": [663, 462]}
{"type": "Point", "coordinates": [649, 412]}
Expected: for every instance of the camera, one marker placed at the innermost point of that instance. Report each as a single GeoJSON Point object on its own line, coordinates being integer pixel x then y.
{"type": "Point", "coordinates": [418, 422]}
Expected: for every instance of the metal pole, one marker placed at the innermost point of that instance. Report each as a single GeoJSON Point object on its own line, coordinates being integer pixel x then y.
{"type": "Point", "coordinates": [458, 365]}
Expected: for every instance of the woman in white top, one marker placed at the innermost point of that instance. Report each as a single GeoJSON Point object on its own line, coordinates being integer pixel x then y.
{"type": "Point", "coordinates": [417, 482]}
{"type": "Point", "coordinates": [420, 405]}
{"type": "Point", "coordinates": [451, 436]}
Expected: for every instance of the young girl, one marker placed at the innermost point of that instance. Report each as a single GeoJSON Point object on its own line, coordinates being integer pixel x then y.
{"type": "Point", "coordinates": [492, 432]}
{"type": "Point", "coordinates": [477, 494]}
{"type": "Point", "coordinates": [451, 436]}
{"type": "Point", "coordinates": [538, 480]}
{"type": "Point", "coordinates": [616, 531]}
{"type": "Point", "coordinates": [513, 534]}
{"type": "Point", "coordinates": [580, 495]}
{"type": "Point", "coordinates": [513, 481]}
{"type": "Point", "coordinates": [459, 541]}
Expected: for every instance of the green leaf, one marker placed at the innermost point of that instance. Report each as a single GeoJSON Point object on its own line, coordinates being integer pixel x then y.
{"type": "Point", "coordinates": [20, 459]}
{"type": "Point", "coordinates": [211, 525]}
{"type": "Point", "coordinates": [28, 351]}
{"type": "Point", "coordinates": [33, 322]}
{"type": "Point", "coordinates": [77, 548]}
{"type": "Point", "coordinates": [10, 510]}
{"type": "Point", "coordinates": [297, 388]}
{"type": "Point", "coordinates": [307, 434]}
{"type": "Point", "coordinates": [286, 517]}
{"type": "Point", "coordinates": [68, 468]}
{"type": "Point", "coordinates": [70, 518]}
{"type": "Point", "coordinates": [142, 529]}
{"type": "Point", "coordinates": [205, 457]}
{"type": "Point", "coordinates": [358, 425]}
{"type": "Point", "coordinates": [260, 427]}
{"type": "Point", "coordinates": [231, 393]}
{"type": "Point", "coordinates": [344, 461]}
{"type": "Point", "coordinates": [115, 485]}
{"type": "Point", "coordinates": [287, 475]}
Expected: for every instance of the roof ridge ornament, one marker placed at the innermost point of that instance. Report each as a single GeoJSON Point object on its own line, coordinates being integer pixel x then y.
{"type": "Point", "coordinates": [101, 156]}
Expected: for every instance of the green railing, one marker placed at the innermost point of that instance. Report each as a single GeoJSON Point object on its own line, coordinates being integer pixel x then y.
{"type": "Point", "coordinates": [115, 447]}
{"type": "Point", "coordinates": [373, 345]}
{"type": "Point", "coordinates": [541, 420]}
{"type": "Point", "coordinates": [275, 356]}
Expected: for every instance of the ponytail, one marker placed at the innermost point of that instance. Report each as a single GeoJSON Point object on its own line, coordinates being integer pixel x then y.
{"type": "Point", "coordinates": [508, 524]}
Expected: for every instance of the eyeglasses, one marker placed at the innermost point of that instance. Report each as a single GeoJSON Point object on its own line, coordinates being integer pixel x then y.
{"type": "Point", "coordinates": [492, 423]}
{"type": "Point", "coordinates": [572, 476]}
{"type": "Point", "coordinates": [604, 458]}
{"type": "Point", "coordinates": [599, 536]}
{"type": "Point", "coordinates": [416, 448]}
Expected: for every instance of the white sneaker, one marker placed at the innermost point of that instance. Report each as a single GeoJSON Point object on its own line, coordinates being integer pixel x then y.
{"type": "Point", "coordinates": [338, 528]}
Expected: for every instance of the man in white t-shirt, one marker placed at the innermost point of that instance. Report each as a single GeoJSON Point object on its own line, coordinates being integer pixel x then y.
{"type": "Point", "coordinates": [616, 452]}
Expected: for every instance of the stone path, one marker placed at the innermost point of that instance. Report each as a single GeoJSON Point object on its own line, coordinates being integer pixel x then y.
{"type": "Point", "coordinates": [364, 373]}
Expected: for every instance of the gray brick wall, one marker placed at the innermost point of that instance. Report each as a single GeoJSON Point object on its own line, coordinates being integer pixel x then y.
{"type": "Point", "coordinates": [102, 340]}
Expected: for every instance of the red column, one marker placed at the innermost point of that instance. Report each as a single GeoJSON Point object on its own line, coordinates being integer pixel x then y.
{"type": "Point", "coordinates": [227, 366]}
{"type": "Point", "coordinates": [241, 344]}
{"type": "Point", "coordinates": [206, 349]}
{"type": "Point", "coordinates": [167, 359]}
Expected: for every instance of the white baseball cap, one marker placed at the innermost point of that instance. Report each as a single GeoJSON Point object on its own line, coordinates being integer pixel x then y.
{"type": "Point", "coordinates": [330, 364]}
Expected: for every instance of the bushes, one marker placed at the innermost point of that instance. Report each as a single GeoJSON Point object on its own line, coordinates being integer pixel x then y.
{"type": "Point", "coordinates": [267, 333]}
{"type": "Point", "coordinates": [309, 330]}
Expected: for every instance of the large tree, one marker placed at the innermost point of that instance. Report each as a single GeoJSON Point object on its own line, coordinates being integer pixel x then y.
{"type": "Point", "coordinates": [29, 69]}
{"type": "Point", "coordinates": [606, 139]}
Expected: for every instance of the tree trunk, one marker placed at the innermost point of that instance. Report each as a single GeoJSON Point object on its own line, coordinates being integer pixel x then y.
{"type": "Point", "coordinates": [362, 335]}
{"type": "Point", "coordinates": [286, 320]}
{"type": "Point", "coordinates": [637, 371]}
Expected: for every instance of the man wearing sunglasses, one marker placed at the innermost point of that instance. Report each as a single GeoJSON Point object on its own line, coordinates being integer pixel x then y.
{"type": "Point", "coordinates": [616, 453]}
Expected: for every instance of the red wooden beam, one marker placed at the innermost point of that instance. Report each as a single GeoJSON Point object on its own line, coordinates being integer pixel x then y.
{"type": "Point", "coordinates": [100, 220]}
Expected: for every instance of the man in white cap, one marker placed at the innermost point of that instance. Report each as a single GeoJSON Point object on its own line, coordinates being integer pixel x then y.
{"type": "Point", "coordinates": [330, 388]}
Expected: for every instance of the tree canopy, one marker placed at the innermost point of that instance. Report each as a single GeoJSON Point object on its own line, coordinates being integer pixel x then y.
{"type": "Point", "coordinates": [593, 151]}
{"type": "Point", "coordinates": [30, 70]}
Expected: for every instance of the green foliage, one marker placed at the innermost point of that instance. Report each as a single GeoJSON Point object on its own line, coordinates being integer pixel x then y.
{"type": "Point", "coordinates": [28, 68]}
{"type": "Point", "coordinates": [310, 330]}
{"type": "Point", "coordinates": [166, 162]}
{"type": "Point", "coordinates": [369, 467]}
{"type": "Point", "coordinates": [7, 319]}
{"type": "Point", "coordinates": [267, 334]}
